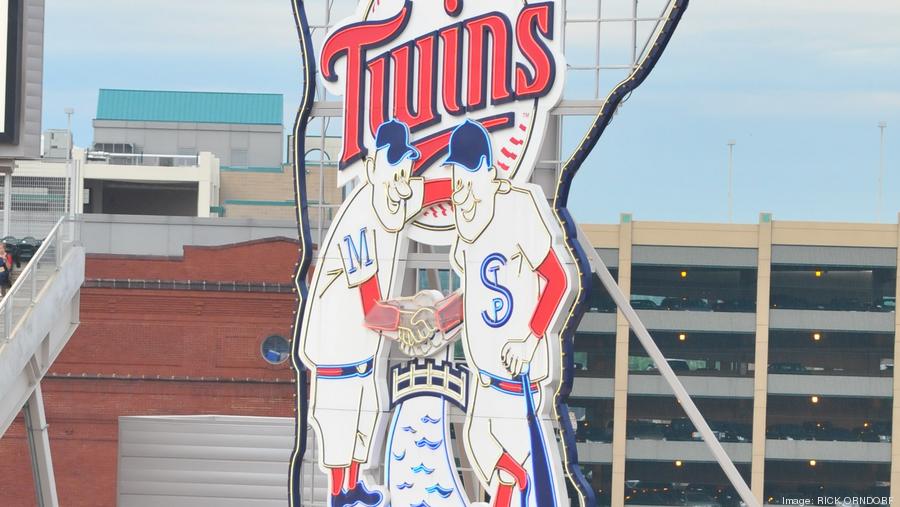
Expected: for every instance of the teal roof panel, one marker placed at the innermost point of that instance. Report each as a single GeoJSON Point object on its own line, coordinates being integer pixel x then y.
{"type": "Point", "coordinates": [191, 107]}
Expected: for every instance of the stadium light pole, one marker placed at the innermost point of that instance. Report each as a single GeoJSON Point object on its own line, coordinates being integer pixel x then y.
{"type": "Point", "coordinates": [73, 184]}
{"type": "Point", "coordinates": [881, 126]}
{"type": "Point", "coordinates": [731, 143]}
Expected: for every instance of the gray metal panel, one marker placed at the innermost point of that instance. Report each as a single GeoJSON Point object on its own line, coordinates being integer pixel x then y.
{"type": "Point", "coordinates": [834, 256]}
{"type": "Point", "coordinates": [264, 143]}
{"type": "Point", "coordinates": [118, 124]}
{"type": "Point", "coordinates": [662, 450]}
{"type": "Point", "coordinates": [610, 256]}
{"type": "Point", "coordinates": [31, 79]}
{"type": "Point", "coordinates": [594, 452]}
{"type": "Point", "coordinates": [824, 385]}
{"type": "Point", "coordinates": [858, 452]}
{"type": "Point", "coordinates": [167, 236]}
{"type": "Point", "coordinates": [589, 387]}
{"type": "Point", "coordinates": [204, 460]}
{"type": "Point", "coordinates": [595, 322]}
{"type": "Point", "coordinates": [694, 256]}
{"type": "Point", "coordinates": [721, 322]}
{"type": "Point", "coordinates": [701, 387]}
{"type": "Point", "coordinates": [823, 320]}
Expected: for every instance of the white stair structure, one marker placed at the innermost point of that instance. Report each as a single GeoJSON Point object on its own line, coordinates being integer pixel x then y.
{"type": "Point", "coordinates": [38, 315]}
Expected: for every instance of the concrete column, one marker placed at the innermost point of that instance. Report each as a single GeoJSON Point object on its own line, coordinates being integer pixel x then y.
{"type": "Point", "coordinates": [761, 362]}
{"type": "Point", "coordinates": [895, 412]}
{"type": "Point", "coordinates": [39, 445]}
{"type": "Point", "coordinates": [620, 398]}
{"type": "Point", "coordinates": [205, 161]}
{"type": "Point", "coordinates": [79, 159]}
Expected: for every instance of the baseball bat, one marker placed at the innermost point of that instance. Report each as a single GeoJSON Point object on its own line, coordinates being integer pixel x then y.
{"type": "Point", "coordinates": [541, 475]}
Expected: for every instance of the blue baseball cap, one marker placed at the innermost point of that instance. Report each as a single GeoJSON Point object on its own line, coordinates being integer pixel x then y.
{"type": "Point", "coordinates": [470, 147]}
{"type": "Point", "coordinates": [394, 136]}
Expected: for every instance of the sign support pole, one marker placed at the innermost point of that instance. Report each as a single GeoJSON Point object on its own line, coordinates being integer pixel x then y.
{"type": "Point", "coordinates": [7, 201]}
{"type": "Point", "coordinates": [666, 371]}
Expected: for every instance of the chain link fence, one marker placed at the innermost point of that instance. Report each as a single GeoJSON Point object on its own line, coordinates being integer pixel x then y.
{"type": "Point", "coordinates": [32, 205]}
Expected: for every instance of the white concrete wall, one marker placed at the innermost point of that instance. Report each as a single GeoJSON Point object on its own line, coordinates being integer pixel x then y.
{"type": "Point", "coordinates": [205, 175]}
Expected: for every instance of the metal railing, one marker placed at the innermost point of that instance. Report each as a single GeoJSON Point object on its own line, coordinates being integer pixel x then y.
{"type": "Point", "coordinates": [143, 159]}
{"type": "Point", "coordinates": [191, 285]}
{"type": "Point", "coordinates": [35, 275]}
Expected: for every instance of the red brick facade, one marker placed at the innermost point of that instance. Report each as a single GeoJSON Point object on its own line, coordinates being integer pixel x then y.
{"type": "Point", "coordinates": [157, 352]}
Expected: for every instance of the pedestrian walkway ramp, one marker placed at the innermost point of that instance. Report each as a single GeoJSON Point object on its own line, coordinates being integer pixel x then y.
{"type": "Point", "coordinates": [38, 315]}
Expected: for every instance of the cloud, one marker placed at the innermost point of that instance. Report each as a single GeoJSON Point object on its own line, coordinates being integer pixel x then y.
{"type": "Point", "coordinates": [100, 28]}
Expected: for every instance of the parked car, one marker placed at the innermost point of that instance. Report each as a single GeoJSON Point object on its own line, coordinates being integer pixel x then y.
{"type": "Point", "coordinates": [644, 304]}
{"type": "Point", "coordinates": [651, 493]}
{"type": "Point", "coordinates": [883, 430]}
{"type": "Point", "coordinates": [729, 498]}
{"type": "Point", "coordinates": [644, 430]}
{"type": "Point", "coordinates": [680, 430]}
{"type": "Point", "coordinates": [787, 432]}
{"type": "Point", "coordinates": [786, 368]}
{"type": "Point", "coordinates": [699, 499]}
{"type": "Point", "coordinates": [736, 305]}
{"type": "Point", "coordinates": [686, 304]}
{"type": "Point", "coordinates": [677, 365]}
{"type": "Point", "coordinates": [866, 434]}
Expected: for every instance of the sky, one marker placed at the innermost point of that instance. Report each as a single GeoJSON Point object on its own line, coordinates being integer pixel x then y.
{"type": "Point", "coordinates": [800, 85]}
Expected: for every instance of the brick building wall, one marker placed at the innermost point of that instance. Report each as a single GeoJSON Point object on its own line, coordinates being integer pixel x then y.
{"type": "Point", "coordinates": [248, 194]}
{"type": "Point", "coordinates": [260, 212]}
{"type": "Point", "coordinates": [157, 352]}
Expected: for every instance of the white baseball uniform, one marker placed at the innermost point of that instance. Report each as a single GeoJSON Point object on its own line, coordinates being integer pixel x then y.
{"type": "Point", "coordinates": [501, 291]}
{"type": "Point", "coordinates": [346, 399]}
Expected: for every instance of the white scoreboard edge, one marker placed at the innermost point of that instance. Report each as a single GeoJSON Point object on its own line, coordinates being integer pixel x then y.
{"type": "Point", "coordinates": [21, 77]}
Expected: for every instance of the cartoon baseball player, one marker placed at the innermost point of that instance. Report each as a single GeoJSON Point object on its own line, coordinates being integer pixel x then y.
{"type": "Point", "coordinates": [517, 279]}
{"type": "Point", "coordinates": [354, 271]}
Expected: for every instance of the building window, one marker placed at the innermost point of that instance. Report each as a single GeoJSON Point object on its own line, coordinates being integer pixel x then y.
{"type": "Point", "coordinates": [833, 288]}
{"type": "Point", "coordinates": [443, 280]}
{"type": "Point", "coordinates": [693, 288]}
{"type": "Point", "coordinates": [275, 349]}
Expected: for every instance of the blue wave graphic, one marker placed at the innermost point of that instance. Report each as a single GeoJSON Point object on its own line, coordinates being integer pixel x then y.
{"type": "Point", "coordinates": [399, 457]}
{"type": "Point", "coordinates": [424, 442]}
{"type": "Point", "coordinates": [409, 429]}
{"type": "Point", "coordinates": [428, 420]}
{"type": "Point", "coordinates": [443, 492]}
{"type": "Point", "coordinates": [422, 469]}
{"type": "Point", "coordinates": [423, 504]}
{"type": "Point", "coordinates": [405, 485]}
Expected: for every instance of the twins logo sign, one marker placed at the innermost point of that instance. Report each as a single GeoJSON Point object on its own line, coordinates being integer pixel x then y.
{"type": "Point", "coordinates": [446, 106]}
